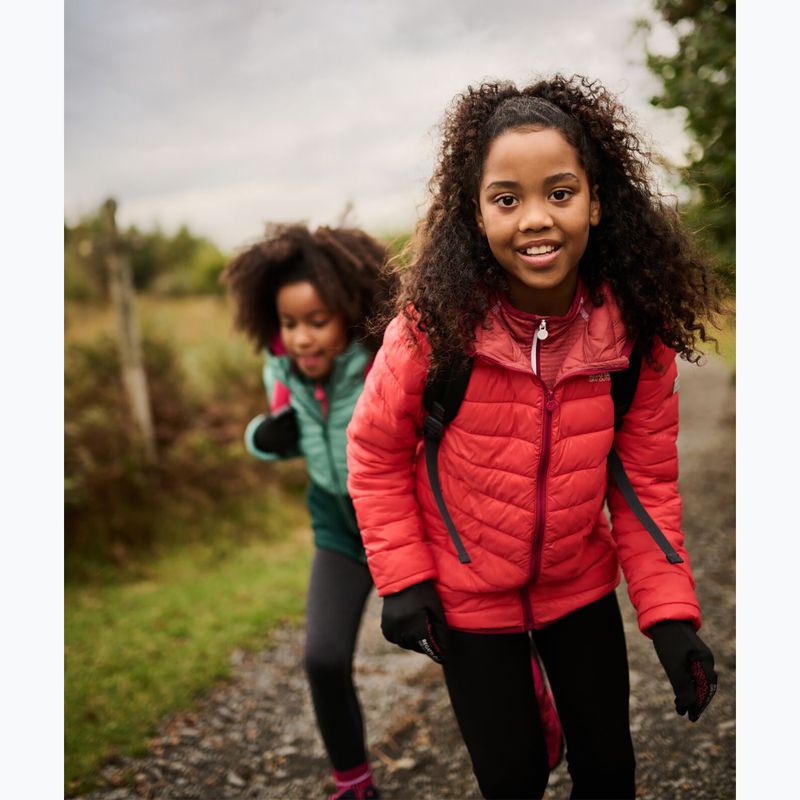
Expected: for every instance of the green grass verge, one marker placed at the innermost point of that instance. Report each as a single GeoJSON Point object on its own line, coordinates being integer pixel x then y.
{"type": "Point", "coordinates": [139, 649]}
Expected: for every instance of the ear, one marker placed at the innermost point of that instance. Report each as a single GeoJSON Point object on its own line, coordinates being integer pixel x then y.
{"type": "Point", "coordinates": [479, 218]}
{"type": "Point", "coordinates": [595, 211]}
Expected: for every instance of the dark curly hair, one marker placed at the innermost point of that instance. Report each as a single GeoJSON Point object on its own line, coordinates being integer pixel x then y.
{"type": "Point", "coordinates": [345, 265]}
{"type": "Point", "coordinates": [658, 275]}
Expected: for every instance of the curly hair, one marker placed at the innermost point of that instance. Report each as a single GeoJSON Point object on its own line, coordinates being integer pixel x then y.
{"type": "Point", "coordinates": [344, 265]}
{"type": "Point", "coordinates": [660, 278]}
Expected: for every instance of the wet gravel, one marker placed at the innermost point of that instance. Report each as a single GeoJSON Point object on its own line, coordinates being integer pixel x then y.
{"type": "Point", "coordinates": [253, 736]}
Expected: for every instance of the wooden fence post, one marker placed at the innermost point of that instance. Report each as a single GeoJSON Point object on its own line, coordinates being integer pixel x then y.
{"type": "Point", "coordinates": [130, 349]}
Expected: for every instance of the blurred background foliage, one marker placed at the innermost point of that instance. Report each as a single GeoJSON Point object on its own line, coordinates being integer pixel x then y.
{"type": "Point", "coordinates": [174, 265]}
{"type": "Point", "coordinates": [700, 77]}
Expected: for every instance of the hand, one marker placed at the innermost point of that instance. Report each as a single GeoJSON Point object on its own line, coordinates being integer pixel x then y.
{"type": "Point", "coordinates": [278, 433]}
{"type": "Point", "coordinates": [414, 619]}
{"type": "Point", "coordinates": [689, 665]}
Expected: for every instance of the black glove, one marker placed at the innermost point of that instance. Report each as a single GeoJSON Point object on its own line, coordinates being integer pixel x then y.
{"type": "Point", "coordinates": [414, 619]}
{"type": "Point", "coordinates": [689, 665]}
{"type": "Point", "coordinates": [278, 433]}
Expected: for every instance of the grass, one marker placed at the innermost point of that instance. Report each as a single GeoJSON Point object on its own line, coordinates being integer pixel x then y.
{"type": "Point", "coordinates": [202, 327]}
{"type": "Point", "coordinates": [141, 648]}
{"type": "Point", "coordinates": [189, 320]}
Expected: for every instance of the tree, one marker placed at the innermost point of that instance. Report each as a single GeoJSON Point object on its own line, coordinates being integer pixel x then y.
{"type": "Point", "coordinates": [180, 264]}
{"type": "Point", "coordinates": [701, 77]}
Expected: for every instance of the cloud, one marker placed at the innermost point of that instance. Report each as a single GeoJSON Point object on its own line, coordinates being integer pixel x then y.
{"type": "Point", "coordinates": [224, 115]}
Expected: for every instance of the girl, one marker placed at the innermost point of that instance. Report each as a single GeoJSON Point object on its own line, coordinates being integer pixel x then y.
{"type": "Point", "coordinates": [546, 255]}
{"type": "Point", "coordinates": [304, 297]}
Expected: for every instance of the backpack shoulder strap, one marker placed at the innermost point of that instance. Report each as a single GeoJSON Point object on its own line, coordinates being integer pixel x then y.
{"type": "Point", "coordinates": [442, 399]}
{"type": "Point", "coordinates": [623, 388]}
{"type": "Point", "coordinates": [447, 389]}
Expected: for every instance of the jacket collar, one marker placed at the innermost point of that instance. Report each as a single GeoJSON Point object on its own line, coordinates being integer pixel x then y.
{"type": "Point", "coordinates": [351, 364]}
{"type": "Point", "coordinates": [603, 345]}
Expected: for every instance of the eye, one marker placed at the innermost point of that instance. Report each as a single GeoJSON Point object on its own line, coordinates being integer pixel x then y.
{"type": "Point", "coordinates": [505, 201]}
{"type": "Point", "coordinates": [320, 323]}
{"type": "Point", "coordinates": [559, 195]}
{"type": "Point", "coordinates": [288, 324]}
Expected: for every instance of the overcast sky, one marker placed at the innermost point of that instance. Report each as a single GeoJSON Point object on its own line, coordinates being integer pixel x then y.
{"type": "Point", "coordinates": [224, 115]}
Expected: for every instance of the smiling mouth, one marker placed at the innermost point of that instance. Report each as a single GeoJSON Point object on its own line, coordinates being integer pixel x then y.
{"type": "Point", "coordinates": [541, 250]}
{"type": "Point", "coordinates": [540, 256]}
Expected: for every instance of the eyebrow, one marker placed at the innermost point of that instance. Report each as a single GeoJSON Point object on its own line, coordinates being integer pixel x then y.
{"type": "Point", "coordinates": [561, 176]}
{"type": "Point", "coordinates": [502, 185]}
{"type": "Point", "coordinates": [549, 181]}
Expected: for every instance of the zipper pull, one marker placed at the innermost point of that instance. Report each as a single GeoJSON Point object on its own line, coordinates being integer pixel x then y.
{"type": "Point", "coordinates": [551, 404]}
{"type": "Point", "coordinates": [541, 332]}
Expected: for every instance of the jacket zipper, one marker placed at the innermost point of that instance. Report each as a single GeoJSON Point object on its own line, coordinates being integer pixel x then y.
{"type": "Point", "coordinates": [550, 405]}
{"type": "Point", "coordinates": [541, 472]}
{"type": "Point", "coordinates": [325, 409]}
{"type": "Point", "coordinates": [541, 334]}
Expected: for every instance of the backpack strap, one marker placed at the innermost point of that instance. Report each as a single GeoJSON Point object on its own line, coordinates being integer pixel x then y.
{"type": "Point", "coordinates": [632, 499]}
{"type": "Point", "coordinates": [623, 388]}
{"type": "Point", "coordinates": [442, 399]}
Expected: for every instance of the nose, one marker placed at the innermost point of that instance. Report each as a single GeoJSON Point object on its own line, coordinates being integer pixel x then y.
{"type": "Point", "coordinates": [534, 217]}
{"type": "Point", "coordinates": [302, 337]}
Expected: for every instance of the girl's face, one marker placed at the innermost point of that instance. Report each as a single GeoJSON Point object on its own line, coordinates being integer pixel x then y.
{"type": "Point", "coordinates": [312, 334]}
{"type": "Point", "coordinates": [535, 207]}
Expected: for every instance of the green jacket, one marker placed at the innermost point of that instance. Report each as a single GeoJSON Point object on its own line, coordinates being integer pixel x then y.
{"type": "Point", "coordinates": [323, 439]}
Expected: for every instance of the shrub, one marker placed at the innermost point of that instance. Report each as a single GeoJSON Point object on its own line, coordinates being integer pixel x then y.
{"type": "Point", "coordinates": [115, 502]}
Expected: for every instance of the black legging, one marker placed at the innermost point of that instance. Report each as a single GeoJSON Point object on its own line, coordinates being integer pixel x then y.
{"type": "Point", "coordinates": [490, 682]}
{"type": "Point", "coordinates": [337, 593]}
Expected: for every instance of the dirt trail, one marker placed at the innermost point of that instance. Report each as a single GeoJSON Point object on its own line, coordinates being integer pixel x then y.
{"type": "Point", "coordinates": [254, 736]}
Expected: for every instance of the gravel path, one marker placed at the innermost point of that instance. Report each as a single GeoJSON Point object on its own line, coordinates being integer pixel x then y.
{"type": "Point", "coordinates": [254, 735]}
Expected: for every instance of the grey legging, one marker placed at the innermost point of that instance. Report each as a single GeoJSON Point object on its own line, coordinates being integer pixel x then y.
{"type": "Point", "coordinates": [337, 593]}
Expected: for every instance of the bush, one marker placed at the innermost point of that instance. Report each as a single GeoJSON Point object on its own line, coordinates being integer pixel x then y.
{"type": "Point", "coordinates": [197, 273]}
{"type": "Point", "coordinates": [110, 490]}
{"type": "Point", "coordinates": [115, 502]}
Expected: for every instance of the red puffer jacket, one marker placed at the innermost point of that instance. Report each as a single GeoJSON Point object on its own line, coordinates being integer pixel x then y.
{"type": "Point", "coordinates": [523, 472]}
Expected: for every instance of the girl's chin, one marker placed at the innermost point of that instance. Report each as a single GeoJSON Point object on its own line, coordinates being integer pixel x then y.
{"type": "Point", "coordinates": [316, 371]}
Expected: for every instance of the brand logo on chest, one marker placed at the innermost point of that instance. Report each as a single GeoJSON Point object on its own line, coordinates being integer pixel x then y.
{"type": "Point", "coordinates": [600, 377]}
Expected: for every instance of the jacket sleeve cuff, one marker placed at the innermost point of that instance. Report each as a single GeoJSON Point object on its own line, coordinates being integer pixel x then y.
{"type": "Point", "coordinates": [249, 433]}
{"type": "Point", "coordinates": [687, 612]}
{"type": "Point", "coordinates": [404, 583]}
{"type": "Point", "coordinates": [415, 557]}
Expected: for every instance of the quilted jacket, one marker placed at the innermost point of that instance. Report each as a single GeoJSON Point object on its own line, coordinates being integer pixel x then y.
{"type": "Point", "coordinates": [323, 411]}
{"type": "Point", "coordinates": [523, 472]}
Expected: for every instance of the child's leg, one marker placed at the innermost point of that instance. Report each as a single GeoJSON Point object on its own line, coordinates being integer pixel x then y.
{"type": "Point", "coordinates": [490, 682]}
{"type": "Point", "coordinates": [587, 665]}
{"type": "Point", "coordinates": [338, 590]}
